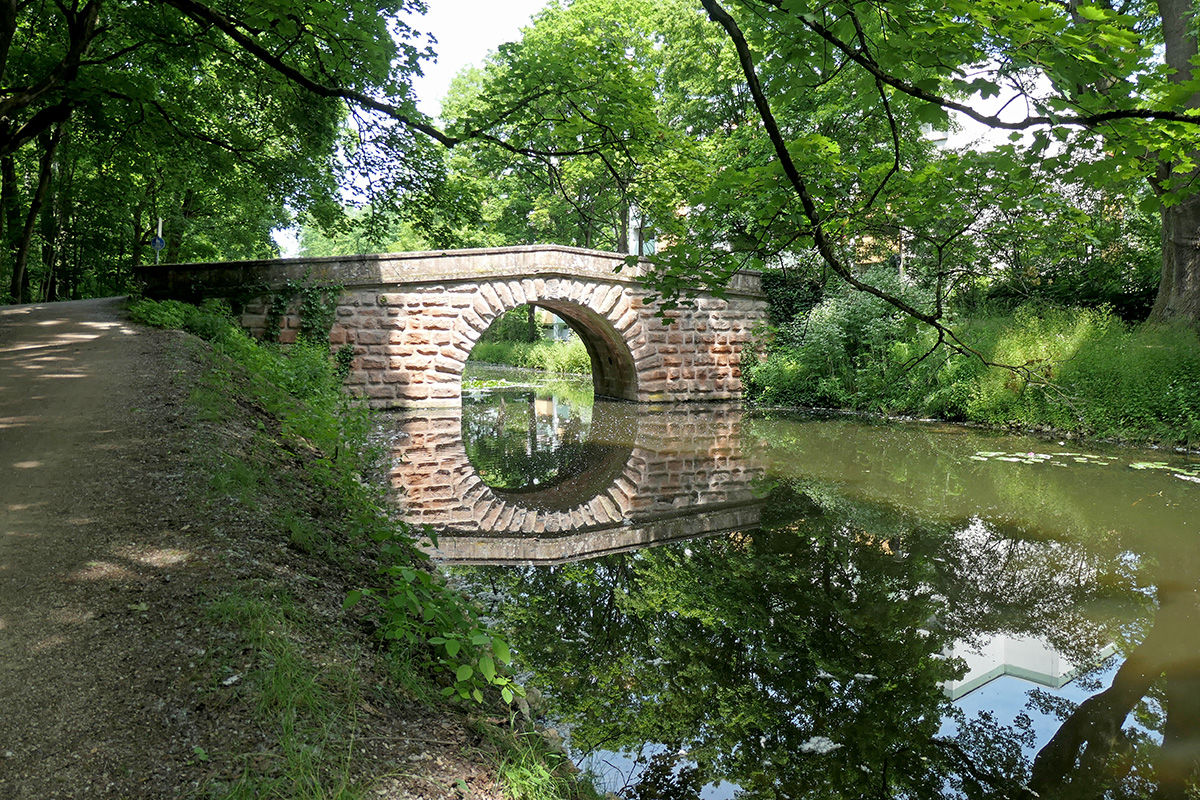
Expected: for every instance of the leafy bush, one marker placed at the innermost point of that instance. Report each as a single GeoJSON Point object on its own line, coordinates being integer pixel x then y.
{"type": "Point", "coordinates": [557, 357]}
{"type": "Point", "coordinates": [167, 314]}
{"type": "Point", "coordinates": [840, 352]}
{"type": "Point", "coordinates": [1079, 370]}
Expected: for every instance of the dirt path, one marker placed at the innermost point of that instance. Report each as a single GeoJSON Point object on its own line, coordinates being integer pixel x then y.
{"type": "Point", "coordinates": [110, 556]}
{"type": "Point", "coordinates": [87, 504]}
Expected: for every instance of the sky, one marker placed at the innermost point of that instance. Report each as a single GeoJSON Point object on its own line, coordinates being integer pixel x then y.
{"type": "Point", "coordinates": [466, 31]}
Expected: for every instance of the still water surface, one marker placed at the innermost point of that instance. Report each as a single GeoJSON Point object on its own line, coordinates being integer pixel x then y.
{"type": "Point", "coordinates": [720, 604]}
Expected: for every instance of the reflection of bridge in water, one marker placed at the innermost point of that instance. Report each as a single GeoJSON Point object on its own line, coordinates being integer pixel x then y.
{"type": "Point", "coordinates": [692, 480]}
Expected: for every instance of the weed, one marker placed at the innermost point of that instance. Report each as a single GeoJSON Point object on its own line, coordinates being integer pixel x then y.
{"type": "Point", "coordinates": [530, 770]}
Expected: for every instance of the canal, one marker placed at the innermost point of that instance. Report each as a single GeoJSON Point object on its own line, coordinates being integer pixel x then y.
{"type": "Point", "coordinates": [724, 604]}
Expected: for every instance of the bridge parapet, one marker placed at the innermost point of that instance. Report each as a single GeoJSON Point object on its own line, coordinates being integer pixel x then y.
{"type": "Point", "coordinates": [413, 318]}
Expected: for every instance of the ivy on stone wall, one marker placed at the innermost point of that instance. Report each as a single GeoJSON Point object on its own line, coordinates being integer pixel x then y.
{"type": "Point", "coordinates": [316, 304]}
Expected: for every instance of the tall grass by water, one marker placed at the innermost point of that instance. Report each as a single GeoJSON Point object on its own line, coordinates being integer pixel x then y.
{"type": "Point", "coordinates": [570, 357]}
{"type": "Point", "coordinates": [1082, 371]}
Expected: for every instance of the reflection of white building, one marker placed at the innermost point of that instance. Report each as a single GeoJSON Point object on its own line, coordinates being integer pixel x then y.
{"type": "Point", "coordinates": [1018, 656]}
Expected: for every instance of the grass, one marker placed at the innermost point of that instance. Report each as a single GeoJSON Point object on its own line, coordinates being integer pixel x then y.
{"type": "Point", "coordinates": [296, 453]}
{"type": "Point", "coordinates": [311, 704]}
{"type": "Point", "coordinates": [1080, 371]}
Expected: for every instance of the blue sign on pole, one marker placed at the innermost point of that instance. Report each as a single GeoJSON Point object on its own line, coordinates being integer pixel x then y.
{"type": "Point", "coordinates": [158, 243]}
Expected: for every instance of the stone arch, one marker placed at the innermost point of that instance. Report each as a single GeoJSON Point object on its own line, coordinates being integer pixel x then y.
{"type": "Point", "coordinates": [594, 311]}
{"type": "Point", "coordinates": [412, 318]}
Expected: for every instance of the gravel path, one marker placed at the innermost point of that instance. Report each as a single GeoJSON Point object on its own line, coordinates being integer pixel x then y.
{"type": "Point", "coordinates": [87, 500]}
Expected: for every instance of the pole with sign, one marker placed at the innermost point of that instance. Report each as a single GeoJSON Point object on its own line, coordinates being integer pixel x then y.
{"type": "Point", "coordinates": [158, 243]}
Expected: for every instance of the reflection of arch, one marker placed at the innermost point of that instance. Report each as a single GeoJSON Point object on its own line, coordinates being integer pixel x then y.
{"type": "Point", "coordinates": [601, 466]}
{"type": "Point", "coordinates": [593, 467]}
{"type": "Point", "coordinates": [678, 492]}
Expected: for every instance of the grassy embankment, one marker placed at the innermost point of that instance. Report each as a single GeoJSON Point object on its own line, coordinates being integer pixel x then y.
{"type": "Point", "coordinates": [305, 464]}
{"type": "Point", "coordinates": [556, 357]}
{"type": "Point", "coordinates": [1079, 371]}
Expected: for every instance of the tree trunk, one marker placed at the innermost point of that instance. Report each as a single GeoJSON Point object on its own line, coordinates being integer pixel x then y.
{"type": "Point", "coordinates": [1179, 288]}
{"type": "Point", "coordinates": [139, 242]}
{"type": "Point", "coordinates": [175, 236]}
{"type": "Point", "coordinates": [20, 275]}
{"type": "Point", "coordinates": [10, 211]}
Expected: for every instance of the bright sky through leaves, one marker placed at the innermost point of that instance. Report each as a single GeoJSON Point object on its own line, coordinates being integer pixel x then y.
{"type": "Point", "coordinates": [466, 31]}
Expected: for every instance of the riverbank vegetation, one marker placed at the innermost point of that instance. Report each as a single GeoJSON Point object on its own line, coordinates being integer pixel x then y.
{"type": "Point", "coordinates": [304, 457]}
{"type": "Point", "coordinates": [1075, 369]}
{"type": "Point", "coordinates": [516, 340]}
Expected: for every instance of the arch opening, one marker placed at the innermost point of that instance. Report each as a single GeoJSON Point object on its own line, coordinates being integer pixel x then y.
{"type": "Point", "coordinates": [614, 375]}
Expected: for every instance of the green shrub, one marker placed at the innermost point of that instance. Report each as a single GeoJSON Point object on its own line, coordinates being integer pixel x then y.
{"type": "Point", "coordinates": [1078, 370]}
{"type": "Point", "coordinates": [165, 314]}
{"type": "Point", "coordinates": [557, 357]}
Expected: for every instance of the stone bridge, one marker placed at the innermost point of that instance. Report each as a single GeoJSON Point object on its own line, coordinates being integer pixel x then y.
{"type": "Point", "coordinates": [695, 481]}
{"type": "Point", "coordinates": [413, 318]}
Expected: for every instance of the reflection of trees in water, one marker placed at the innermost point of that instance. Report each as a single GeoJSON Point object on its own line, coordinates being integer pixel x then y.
{"type": "Point", "coordinates": [512, 446]}
{"type": "Point", "coordinates": [806, 660]}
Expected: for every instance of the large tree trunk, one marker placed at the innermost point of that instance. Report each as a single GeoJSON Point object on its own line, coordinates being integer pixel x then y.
{"type": "Point", "coordinates": [1179, 288]}
{"type": "Point", "coordinates": [177, 232]}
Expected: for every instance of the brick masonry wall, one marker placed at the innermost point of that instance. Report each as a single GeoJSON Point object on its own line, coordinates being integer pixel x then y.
{"type": "Point", "coordinates": [696, 481]}
{"type": "Point", "coordinates": [412, 318]}
{"type": "Point", "coordinates": [411, 344]}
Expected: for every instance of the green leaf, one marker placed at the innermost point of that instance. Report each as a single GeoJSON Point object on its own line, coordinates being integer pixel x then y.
{"type": "Point", "coordinates": [507, 694]}
{"type": "Point", "coordinates": [500, 648]}
{"type": "Point", "coordinates": [1092, 13]}
{"type": "Point", "coordinates": [453, 646]}
{"type": "Point", "coordinates": [464, 673]}
{"type": "Point", "coordinates": [487, 668]}
{"type": "Point", "coordinates": [352, 599]}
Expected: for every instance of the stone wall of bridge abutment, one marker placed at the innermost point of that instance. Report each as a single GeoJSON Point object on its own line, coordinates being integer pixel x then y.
{"type": "Point", "coordinates": [413, 318]}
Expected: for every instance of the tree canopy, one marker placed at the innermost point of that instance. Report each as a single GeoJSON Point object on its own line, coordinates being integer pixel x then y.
{"type": "Point", "coordinates": [219, 118]}
{"type": "Point", "coordinates": [797, 135]}
{"type": "Point", "coordinates": [788, 134]}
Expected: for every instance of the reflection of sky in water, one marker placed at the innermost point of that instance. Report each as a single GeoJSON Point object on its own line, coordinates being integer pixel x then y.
{"type": "Point", "coordinates": [1008, 696]}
